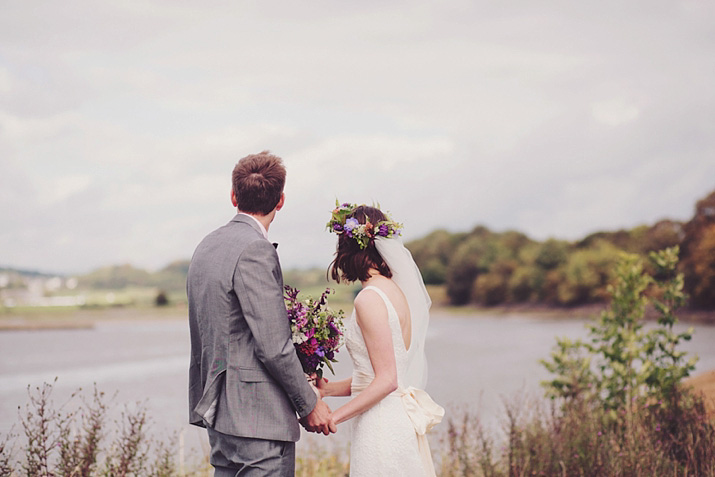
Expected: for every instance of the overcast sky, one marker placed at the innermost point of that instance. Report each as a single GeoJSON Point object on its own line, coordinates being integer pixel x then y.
{"type": "Point", "coordinates": [120, 121]}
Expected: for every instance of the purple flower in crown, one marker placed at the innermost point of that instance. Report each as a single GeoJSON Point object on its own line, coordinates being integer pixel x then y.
{"type": "Point", "coordinates": [364, 234]}
{"type": "Point", "coordinates": [351, 224]}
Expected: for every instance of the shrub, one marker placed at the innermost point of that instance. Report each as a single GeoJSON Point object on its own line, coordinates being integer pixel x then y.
{"type": "Point", "coordinates": [622, 361]}
{"type": "Point", "coordinates": [490, 289]}
{"type": "Point", "coordinates": [75, 439]}
{"type": "Point", "coordinates": [161, 299]}
{"type": "Point", "coordinates": [628, 379]}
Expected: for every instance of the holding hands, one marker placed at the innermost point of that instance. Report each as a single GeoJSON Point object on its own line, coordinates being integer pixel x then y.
{"type": "Point", "coordinates": [320, 419]}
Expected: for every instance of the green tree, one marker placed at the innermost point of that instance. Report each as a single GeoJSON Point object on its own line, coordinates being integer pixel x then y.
{"type": "Point", "coordinates": [697, 256]}
{"type": "Point", "coordinates": [702, 286]}
{"type": "Point", "coordinates": [585, 275]}
{"type": "Point", "coordinates": [492, 288]}
{"type": "Point", "coordinates": [525, 283]}
{"type": "Point", "coordinates": [434, 272]}
{"type": "Point", "coordinates": [117, 277]}
{"type": "Point", "coordinates": [433, 253]}
{"type": "Point", "coordinates": [461, 274]}
{"type": "Point", "coordinates": [469, 259]}
{"type": "Point", "coordinates": [664, 234]}
{"type": "Point", "coordinates": [551, 254]}
{"type": "Point", "coordinates": [622, 360]}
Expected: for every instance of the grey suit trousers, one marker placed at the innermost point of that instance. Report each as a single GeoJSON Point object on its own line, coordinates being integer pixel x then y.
{"type": "Point", "coordinates": [234, 456]}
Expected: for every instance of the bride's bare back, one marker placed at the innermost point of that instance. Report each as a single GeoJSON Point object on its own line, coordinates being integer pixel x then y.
{"type": "Point", "coordinates": [399, 302]}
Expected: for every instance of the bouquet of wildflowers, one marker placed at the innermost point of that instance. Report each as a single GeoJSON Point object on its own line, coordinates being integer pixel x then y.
{"type": "Point", "coordinates": [317, 330]}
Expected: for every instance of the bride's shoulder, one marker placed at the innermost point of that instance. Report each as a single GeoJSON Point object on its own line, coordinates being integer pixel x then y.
{"type": "Point", "coordinates": [368, 300]}
{"type": "Point", "coordinates": [367, 295]}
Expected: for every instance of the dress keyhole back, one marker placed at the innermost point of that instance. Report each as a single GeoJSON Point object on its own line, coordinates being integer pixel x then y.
{"type": "Point", "coordinates": [388, 304]}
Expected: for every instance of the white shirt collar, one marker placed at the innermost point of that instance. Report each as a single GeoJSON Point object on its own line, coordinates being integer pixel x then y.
{"type": "Point", "coordinates": [260, 225]}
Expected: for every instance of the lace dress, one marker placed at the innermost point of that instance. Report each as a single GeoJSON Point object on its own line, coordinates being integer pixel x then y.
{"type": "Point", "coordinates": [383, 439]}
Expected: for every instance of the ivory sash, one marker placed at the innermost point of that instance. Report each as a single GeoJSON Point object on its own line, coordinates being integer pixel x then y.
{"type": "Point", "coordinates": [422, 411]}
{"type": "Point", "coordinates": [424, 414]}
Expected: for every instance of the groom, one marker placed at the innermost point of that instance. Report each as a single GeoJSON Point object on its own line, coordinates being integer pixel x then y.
{"type": "Point", "coordinates": [246, 383]}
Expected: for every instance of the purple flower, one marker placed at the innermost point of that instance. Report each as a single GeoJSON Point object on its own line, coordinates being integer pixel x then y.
{"type": "Point", "coordinates": [383, 230]}
{"type": "Point", "coordinates": [301, 318]}
{"type": "Point", "coordinates": [351, 223]}
{"type": "Point", "coordinates": [316, 330]}
{"type": "Point", "coordinates": [337, 227]}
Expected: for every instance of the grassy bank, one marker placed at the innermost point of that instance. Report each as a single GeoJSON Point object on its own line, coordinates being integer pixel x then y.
{"type": "Point", "coordinates": [44, 318]}
{"type": "Point", "coordinates": [538, 437]}
{"type": "Point", "coordinates": [704, 385]}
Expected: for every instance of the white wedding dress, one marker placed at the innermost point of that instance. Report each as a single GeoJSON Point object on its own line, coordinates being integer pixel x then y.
{"type": "Point", "coordinates": [384, 440]}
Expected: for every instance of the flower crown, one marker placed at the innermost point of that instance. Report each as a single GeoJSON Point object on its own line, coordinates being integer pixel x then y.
{"type": "Point", "coordinates": [362, 233]}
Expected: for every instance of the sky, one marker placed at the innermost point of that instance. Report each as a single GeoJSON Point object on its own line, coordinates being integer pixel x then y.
{"type": "Point", "coordinates": [121, 121]}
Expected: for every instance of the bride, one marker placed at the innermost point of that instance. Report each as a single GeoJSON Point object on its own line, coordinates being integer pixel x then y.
{"type": "Point", "coordinates": [385, 337]}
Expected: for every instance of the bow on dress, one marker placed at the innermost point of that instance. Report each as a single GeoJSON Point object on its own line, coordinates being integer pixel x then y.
{"type": "Point", "coordinates": [424, 414]}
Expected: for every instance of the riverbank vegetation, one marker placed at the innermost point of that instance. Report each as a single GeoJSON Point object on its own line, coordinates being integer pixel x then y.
{"type": "Point", "coordinates": [478, 268]}
{"type": "Point", "coordinates": [490, 268]}
{"type": "Point", "coordinates": [85, 436]}
{"type": "Point", "coordinates": [616, 405]}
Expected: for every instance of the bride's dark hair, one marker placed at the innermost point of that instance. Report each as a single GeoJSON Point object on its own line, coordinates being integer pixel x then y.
{"type": "Point", "coordinates": [353, 263]}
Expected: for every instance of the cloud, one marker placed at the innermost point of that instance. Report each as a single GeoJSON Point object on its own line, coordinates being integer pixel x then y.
{"type": "Point", "coordinates": [120, 122]}
{"type": "Point", "coordinates": [614, 112]}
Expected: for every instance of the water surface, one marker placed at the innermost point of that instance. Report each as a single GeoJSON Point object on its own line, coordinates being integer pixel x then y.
{"type": "Point", "coordinates": [475, 362]}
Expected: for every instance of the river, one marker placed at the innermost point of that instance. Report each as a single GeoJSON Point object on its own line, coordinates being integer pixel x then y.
{"type": "Point", "coordinates": [476, 361]}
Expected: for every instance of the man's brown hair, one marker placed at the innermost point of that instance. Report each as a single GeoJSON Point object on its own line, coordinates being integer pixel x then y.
{"type": "Point", "coordinates": [258, 181]}
{"type": "Point", "coordinates": [353, 263]}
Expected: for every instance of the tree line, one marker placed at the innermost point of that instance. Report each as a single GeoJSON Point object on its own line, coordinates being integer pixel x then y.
{"type": "Point", "coordinates": [491, 268]}
{"type": "Point", "coordinates": [117, 277]}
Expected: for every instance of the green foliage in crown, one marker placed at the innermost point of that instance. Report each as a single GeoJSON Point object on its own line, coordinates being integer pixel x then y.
{"type": "Point", "coordinates": [342, 221]}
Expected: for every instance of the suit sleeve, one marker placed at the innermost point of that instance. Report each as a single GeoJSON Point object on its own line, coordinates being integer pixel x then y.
{"type": "Point", "coordinates": [264, 309]}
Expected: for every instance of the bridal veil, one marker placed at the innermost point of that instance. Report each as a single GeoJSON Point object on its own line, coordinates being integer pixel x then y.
{"type": "Point", "coordinates": [408, 277]}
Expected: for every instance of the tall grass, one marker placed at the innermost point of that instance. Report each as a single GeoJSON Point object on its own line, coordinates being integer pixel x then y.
{"type": "Point", "coordinates": [537, 438]}
{"type": "Point", "coordinates": [78, 439]}
{"type": "Point", "coordinates": [550, 438]}
{"type": "Point", "coordinates": [320, 461]}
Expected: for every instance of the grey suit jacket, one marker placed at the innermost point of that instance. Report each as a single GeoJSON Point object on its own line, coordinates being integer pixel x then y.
{"type": "Point", "coordinates": [245, 378]}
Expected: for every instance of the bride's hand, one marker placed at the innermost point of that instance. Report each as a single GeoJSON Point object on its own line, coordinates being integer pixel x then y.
{"type": "Point", "coordinates": [320, 384]}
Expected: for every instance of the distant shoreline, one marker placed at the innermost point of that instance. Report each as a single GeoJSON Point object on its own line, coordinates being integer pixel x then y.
{"type": "Point", "coordinates": [685, 315]}
{"type": "Point", "coordinates": [79, 318]}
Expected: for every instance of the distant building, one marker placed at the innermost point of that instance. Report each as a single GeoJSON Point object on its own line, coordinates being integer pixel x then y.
{"type": "Point", "coordinates": [17, 289]}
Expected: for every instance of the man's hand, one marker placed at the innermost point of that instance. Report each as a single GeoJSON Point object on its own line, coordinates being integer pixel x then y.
{"type": "Point", "coordinates": [319, 419]}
